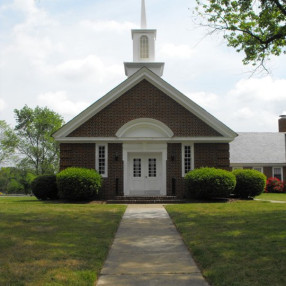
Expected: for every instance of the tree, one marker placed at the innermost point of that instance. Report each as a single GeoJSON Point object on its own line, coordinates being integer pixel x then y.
{"type": "Point", "coordinates": [256, 27]}
{"type": "Point", "coordinates": [5, 151]}
{"type": "Point", "coordinates": [32, 138]}
{"type": "Point", "coordinates": [15, 180]}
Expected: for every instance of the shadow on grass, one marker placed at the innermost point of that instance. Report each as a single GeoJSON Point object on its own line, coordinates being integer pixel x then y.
{"type": "Point", "coordinates": [61, 244]}
{"type": "Point", "coordinates": [239, 244]}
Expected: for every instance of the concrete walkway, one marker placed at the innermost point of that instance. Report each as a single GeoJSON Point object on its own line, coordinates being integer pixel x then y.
{"type": "Point", "coordinates": [148, 251]}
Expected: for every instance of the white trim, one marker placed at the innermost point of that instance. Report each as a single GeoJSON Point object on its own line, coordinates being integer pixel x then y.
{"type": "Point", "coordinates": [167, 139]}
{"type": "Point", "coordinates": [276, 165]}
{"type": "Point", "coordinates": [128, 148]}
{"type": "Point", "coordinates": [191, 144]}
{"type": "Point", "coordinates": [158, 82]}
{"type": "Point", "coordinates": [105, 175]}
{"type": "Point", "coordinates": [162, 129]}
{"type": "Point", "coordinates": [281, 168]}
{"type": "Point", "coordinates": [258, 167]}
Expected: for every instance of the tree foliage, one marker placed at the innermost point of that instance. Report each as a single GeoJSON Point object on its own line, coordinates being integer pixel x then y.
{"type": "Point", "coordinates": [15, 180]}
{"type": "Point", "coordinates": [32, 138]}
{"type": "Point", "coordinates": [6, 151]}
{"type": "Point", "coordinates": [256, 27]}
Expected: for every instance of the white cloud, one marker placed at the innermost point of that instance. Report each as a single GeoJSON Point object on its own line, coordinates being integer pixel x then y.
{"type": "Point", "coordinates": [244, 113]}
{"type": "Point", "coordinates": [252, 105]}
{"type": "Point", "coordinates": [2, 104]}
{"type": "Point", "coordinates": [27, 6]}
{"type": "Point", "coordinates": [59, 102]}
{"type": "Point", "coordinates": [90, 67]}
{"type": "Point", "coordinates": [204, 99]}
{"type": "Point", "coordinates": [104, 26]}
{"type": "Point", "coordinates": [266, 89]}
{"type": "Point", "coordinates": [176, 51]}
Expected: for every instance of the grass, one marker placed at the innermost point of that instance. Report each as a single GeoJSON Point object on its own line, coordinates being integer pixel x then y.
{"type": "Point", "coordinates": [235, 244]}
{"type": "Point", "coordinates": [52, 243]}
{"type": "Point", "coordinates": [272, 196]}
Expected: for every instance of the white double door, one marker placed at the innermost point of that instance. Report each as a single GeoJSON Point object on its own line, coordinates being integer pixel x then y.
{"type": "Point", "coordinates": [145, 174]}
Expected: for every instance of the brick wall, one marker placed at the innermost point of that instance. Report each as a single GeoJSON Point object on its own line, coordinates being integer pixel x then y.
{"type": "Point", "coordinates": [212, 155]}
{"type": "Point", "coordinates": [113, 185]}
{"type": "Point", "coordinates": [144, 101]}
{"type": "Point", "coordinates": [77, 155]}
{"type": "Point", "coordinates": [175, 181]}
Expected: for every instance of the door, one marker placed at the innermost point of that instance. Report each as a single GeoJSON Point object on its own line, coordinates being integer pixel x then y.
{"type": "Point", "coordinates": [145, 174]}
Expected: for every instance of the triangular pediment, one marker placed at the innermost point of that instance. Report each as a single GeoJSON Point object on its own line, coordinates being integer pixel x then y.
{"type": "Point", "coordinates": [144, 74]}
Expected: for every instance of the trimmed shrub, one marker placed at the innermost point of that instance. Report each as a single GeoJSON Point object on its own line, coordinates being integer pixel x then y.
{"type": "Point", "coordinates": [274, 185]}
{"type": "Point", "coordinates": [78, 184]}
{"type": "Point", "coordinates": [45, 187]}
{"type": "Point", "coordinates": [208, 183]}
{"type": "Point", "coordinates": [249, 183]}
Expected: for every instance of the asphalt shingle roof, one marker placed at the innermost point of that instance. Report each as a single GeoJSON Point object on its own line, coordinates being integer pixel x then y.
{"type": "Point", "coordinates": [258, 148]}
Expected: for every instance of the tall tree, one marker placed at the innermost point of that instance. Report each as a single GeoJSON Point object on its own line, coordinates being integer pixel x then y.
{"type": "Point", "coordinates": [6, 151]}
{"type": "Point", "coordinates": [33, 139]}
{"type": "Point", "coordinates": [256, 27]}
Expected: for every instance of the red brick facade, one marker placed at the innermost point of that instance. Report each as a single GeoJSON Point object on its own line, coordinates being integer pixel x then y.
{"type": "Point", "coordinates": [77, 155]}
{"type": "Point", "coordinates": [212, 155]}
{"type": "Point", "coordinates": [144, 101]}
{"type": "Point", "coordinates": [83, 155]}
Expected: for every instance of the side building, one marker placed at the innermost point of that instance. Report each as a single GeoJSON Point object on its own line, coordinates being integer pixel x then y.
{"type": "Point", "coordinates": [262, 151]}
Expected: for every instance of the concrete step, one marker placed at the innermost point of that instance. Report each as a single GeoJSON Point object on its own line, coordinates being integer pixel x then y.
{"type": "Point", "coordinates": [146, 200]}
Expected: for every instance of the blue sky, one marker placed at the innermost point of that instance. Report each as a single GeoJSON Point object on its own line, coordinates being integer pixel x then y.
{"type": "Point", "coordinates": [65, 54]}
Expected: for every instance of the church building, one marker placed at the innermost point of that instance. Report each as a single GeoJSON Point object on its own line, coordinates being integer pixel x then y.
{"type": "Point", "coordinates": [144, 135]}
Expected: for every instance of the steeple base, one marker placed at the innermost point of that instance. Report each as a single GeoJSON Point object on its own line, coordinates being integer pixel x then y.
{"type": "Point", "coordinates": [133, 67]}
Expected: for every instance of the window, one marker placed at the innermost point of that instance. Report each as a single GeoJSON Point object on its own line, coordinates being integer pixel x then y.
{"type": "Point", "coordinates": [277, 173]}
{"type": "Point", "coordinates": [259, 169]}
{"type": "Point", "coordinates": [152, 168]}
{"type": "Point", "coordinates": [137, 168]}
{"type": "Point", "coordinates": [236, 168]}
{"type": "Point", "coordinates": [144, 47]}
{"type": "Point", "coordinates": [101, 159]}
{"type": "Point", "coordinates": [187, 158]}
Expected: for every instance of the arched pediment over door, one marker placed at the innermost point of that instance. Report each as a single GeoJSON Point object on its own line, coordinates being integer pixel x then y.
{"type": "Point", "coordinates": [144, 128]}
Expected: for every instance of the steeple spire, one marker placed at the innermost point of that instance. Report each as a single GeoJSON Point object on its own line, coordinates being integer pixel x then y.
{"type": "Point", "coordinates": [143, 48]}
{"type": "Point", "coordinates": [143, 15]}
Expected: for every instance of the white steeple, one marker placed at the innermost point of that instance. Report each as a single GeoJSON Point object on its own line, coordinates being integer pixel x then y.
{"type": "Point", "coordinates": [143, 48]}
{"type": "Point", "coordinates": [143, 15]}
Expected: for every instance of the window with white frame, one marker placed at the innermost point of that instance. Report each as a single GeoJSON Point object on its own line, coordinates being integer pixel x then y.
{"type": "Point", "coordinates": [144, 47]}
{"type": "Point", "coordinates": [277, 173]}
{"type": "Point", "coordinates": [236, 168]}
{"type": "Point", "coordinates": [101, 159]}
{"type": "Point", "coordinates": [187, 158]}
{"type": "Point", "coordinates": [259, 169]}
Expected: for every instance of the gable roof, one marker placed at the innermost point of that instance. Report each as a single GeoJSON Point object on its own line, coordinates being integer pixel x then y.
{"type": "Point", "coordinates": [145, 73]}
{"type": "Point", "coordinates": [258, 148]}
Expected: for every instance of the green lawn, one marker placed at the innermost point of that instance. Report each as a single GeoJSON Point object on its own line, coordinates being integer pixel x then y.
{"type": "Point", "coordinates": [274, 197]}
{"type": "Point", "coordinates": [235, 244]}
{"type": "Point", "coordinates": [52, 243]}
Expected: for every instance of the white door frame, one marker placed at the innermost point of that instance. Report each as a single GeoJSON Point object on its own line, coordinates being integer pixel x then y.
{"type": "Point", "coordinates": [144, 148]}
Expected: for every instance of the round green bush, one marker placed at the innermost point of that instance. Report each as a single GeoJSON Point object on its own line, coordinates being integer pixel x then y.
{"type": "Point", "coordinates": [45, 187]}
{"type": "Point", "coordinates": [78, 184]}
{"type": "Point", "coordinates": [249, 183]}
{"type": "Point", "coordinates": [208, 183]}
